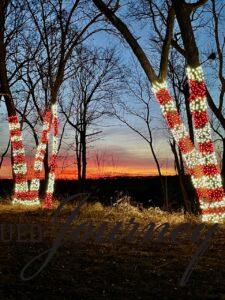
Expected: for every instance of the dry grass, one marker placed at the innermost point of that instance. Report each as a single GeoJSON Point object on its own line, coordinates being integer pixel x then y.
{"type": "Point", "coordinates": [121, 270]}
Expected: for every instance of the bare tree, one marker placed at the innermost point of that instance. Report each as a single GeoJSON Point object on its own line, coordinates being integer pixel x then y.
{"type": "Point", "coordinates": [93, 85]}
{"type": "Point", "coordinates": [136, 114]}
{"type": "Point", "coordinates": [183, 12]}
{"type": "Point", "coordinates": [59, 30]}
{"type": "Point", "coordinates": [190, 21]}
{"type": "Point", "coordinates": [137, 49]}
{"type": "Point", "coordinates": [13, 19]}
{"type": "Point", "coordinates": [216, 10]}
{"type": "Point", "coordinates": [13, 23]}
{"type": "Point", "coordinates": [100, 161]}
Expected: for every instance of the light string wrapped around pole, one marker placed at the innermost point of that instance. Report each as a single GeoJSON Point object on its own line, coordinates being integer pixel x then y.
{"type": "Point", "coordinates": [48, 202]}
{"type": "Point", "coordinates": [39, 157]}
{"type": "Point", "coordinates": [202, 168]}
{"type": "Point", "coordinates": [178, 130]}
{"type": "Point", "coordinates": [191, 156]}
{"type": "Point", "coordinates": [24, 195]}
{"type": "Point", "coordinates": [210, 188]}
{"type": "Point", "coordinates": [19, 164]}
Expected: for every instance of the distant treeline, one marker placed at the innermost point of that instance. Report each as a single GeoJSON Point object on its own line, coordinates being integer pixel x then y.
{"type": "Point", "coordinates": [143, 190]}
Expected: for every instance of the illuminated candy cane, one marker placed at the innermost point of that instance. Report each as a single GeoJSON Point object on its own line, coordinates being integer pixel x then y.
{"type": "Point", "coordinates": [39, 157]}
{"type": "Point", "coordinates": [19, 162]}
{"type": "Point", "coordinates": [23, 194]}
{"type": "Point", "coordinates": [192, 157]}
{"type": "Point", "coordinates": [211, 188]}
{"type": "Point", "coordinates": [48, 202]}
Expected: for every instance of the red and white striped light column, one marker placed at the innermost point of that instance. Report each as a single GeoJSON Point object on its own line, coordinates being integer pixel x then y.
{"type": "Point", "coordinates": [175, 124]}
{"type": "Point", "coordinates": [21, 193]}
{"type": "Point", "coordinates": [191, 156]}
{"type": "Point", "coordinates": [210, 186]}
{"type": "Point", "coordinates": [48, 202]}
{"type": "Point", "coordinates": [39, 157]}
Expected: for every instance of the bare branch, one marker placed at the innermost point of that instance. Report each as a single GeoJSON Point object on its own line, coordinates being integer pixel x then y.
{"type": "Point", "coordinates": [123, 29]}
{"type": "Point", "coordinates": [196, 5]}
{"type": "Point", "coordinates": [166, 44]}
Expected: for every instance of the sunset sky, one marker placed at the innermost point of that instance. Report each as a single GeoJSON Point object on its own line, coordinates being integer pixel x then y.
{"type": "Point", "coordinates": [121, 151]}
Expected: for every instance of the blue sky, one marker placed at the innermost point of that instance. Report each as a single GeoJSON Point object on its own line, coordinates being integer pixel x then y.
{"type": "Point", "coordinates": [127, 146]}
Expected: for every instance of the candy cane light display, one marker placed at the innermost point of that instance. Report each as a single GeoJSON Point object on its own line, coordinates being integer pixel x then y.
{"type": "Point", "coordinates": [203, 169]}
{"type": "Point", "coordinates": [202, 164]}
{"type": "Point", "coordinates": [200, 160]}
{"type": "Point", "coordinates": [39, 157]}
{"type": "Point", "coordinates": [178, 130]}
{"type": "Point", "coordinates": [24, 195]}
{"type": "Point", "coordinates": [211, 188]}
{"type": "Point", "coordinates": [48, 202]}
{"type": "Point", "coordinates": [21, 191]}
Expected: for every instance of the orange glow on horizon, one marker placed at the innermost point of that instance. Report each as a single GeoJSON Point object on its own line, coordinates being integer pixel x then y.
{"type": "Point", "coordinates": [70, 172]}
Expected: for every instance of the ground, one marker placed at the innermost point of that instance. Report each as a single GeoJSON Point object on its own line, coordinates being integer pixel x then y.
{"type": "Point", "coordinates": [91, 269]}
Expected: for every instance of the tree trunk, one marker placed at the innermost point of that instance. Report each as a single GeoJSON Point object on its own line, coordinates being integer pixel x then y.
{"type": "Point", "coordinates": [188, 111]}
{"type": "Point", "coordinates": [163, 184]}
{"type": "Point", "coordinates": [4, 83]}
{"type": "Point", "coordinates": [84, 155]}
{"type": "Point", "coordinates": [181, 162]}
{"type": "Point", "coordinates": [183, 12]}
{"type": "Point", "coordinates": [187, 204]}
{"type": "Point", "coordinates": [46, 170]}
{"type": "Point", "coordinates": [78, 155]}
{"type": "Point", "coordinates": [223, 163]}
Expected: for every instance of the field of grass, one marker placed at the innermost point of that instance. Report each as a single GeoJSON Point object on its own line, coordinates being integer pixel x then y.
{"type": "Point", "coordinates": [89, 269]}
